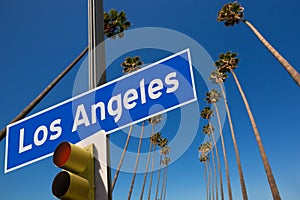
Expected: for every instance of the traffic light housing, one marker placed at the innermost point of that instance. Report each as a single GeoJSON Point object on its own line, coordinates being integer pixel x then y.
{"type": "Point", "coordinates": [77, 180]}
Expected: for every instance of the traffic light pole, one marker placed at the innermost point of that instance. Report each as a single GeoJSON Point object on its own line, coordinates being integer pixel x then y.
{"type": "Point", "coordinates": [97, 76]}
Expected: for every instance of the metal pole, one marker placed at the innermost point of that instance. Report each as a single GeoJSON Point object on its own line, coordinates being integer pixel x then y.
{"type": "Point", "coordinates": [97, 76]}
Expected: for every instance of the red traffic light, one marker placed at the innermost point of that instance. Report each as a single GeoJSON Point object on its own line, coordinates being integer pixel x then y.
{"type": "Point", "coordinates": [71, 157]}
{"type": "Point", "coordinates": [62, 154]}
{"type": "Point", "coordinates": [77, 182]}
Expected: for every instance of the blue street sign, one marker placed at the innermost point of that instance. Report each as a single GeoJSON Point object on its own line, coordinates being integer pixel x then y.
{"type": "Point", "coordinates": [154, 89]}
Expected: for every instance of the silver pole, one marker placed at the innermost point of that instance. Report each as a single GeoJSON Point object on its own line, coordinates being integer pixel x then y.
{"type": "Point", "coordinates": [97, 76]}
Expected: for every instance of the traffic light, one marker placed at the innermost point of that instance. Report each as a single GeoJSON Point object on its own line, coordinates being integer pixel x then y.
{"type": "Point", "coordinates": [77, 180]}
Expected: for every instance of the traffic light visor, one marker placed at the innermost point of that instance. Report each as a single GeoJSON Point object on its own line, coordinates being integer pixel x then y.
{"type": "Point", "coordinates": [62, 154]}
{"type": "Point", "coordinates": [71, 157]}
{"type": "Point", "coordinates": [70, 186]}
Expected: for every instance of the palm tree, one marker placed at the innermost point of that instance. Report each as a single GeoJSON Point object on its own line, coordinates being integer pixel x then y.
{"type": "Point", "coordinates": [227, 63]}
{"type": "Point", "coordinates": [204, 159]}
{"type": "Point", "coordinates": [208, 130]}
{"type": "Point", "coordinates": [131, 64]}
{"type": "Point", "coordinates": [165, 161]}
{"type": "Point", "coordinates": [115, 23]}
{"type": "Point", "coordinates": [162, 142]}
{"type": "Point", "coordinates": [136, 161]}
{"type": "Point", "coordinates": [212, 97]}
{"type": "Point", "coordinates": [154, 140]}
{"type": "Point", "coordinates": [117, 28]}
{"type": "Point", "coordinates": [165, 150]}
{"type": "Point", "coordinates": [219, 77]}
{"type": "Point", "coordinates": [136, 62]}
{"type": "Point", "coordinates": [146, 172]}
{"type": "Point", "coordinates": [207, 113]}
{"type": "Point", "coordinates": [233, 13]}
{"type": "Point", "coordinates": [153, 121]}
{"type": "Point", "coordinates": [205, 149]}
{"type": "Point", "coordinates": [210, 183]}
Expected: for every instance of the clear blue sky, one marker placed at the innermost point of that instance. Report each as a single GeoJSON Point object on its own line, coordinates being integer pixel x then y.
{"type": "Point", "coordinates": [40, 38]}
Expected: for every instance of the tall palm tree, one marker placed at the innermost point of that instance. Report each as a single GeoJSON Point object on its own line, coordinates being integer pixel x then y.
{"type": "Point", "coordinates": [165, 162]}
{"type": "Point", "coordinates": [164, 151]}
{"type": "Point", "coordinates": [154, 140]}
{"type": "Point", "coordinates": [208, 129]}
{"type": "Point", "coordinates": [204, 159]}
{"type": "Point", "coordinates": [134, 65]}
{"type": "Point", "coordinates": [232, 13]}
{"type": "Point", "coordinates": [146, 172]}
{"type": "Point", "coordinates": [210, 182]}
{"type": "Point", "coordinates": [227, 63]}
{"type": "Point", "coordinates": [115, 23]}
{"type": "Point", "coordinates": [162, 142]}
{"type": "Point", "coordinates": [213, 97]}
{"type": "Point", "coordinates": [153, 121]}
{"type": "Point", "coordinates": [117, 28]}
{"type": "Point", "coordinates": [136, 161]}
{"type": "Point", "coordinates": [219, 77]}
{"type": "Point", "coordinates": [205, 148]}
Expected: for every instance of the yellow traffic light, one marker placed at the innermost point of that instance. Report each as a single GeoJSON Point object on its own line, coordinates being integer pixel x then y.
{"type": "Point", "coordinates": [76, 181]}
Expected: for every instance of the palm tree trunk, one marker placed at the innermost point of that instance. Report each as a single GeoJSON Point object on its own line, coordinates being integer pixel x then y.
{"type": "Point", "coordinates": [209, 183]}
{"type": "Point", "coordinates": [224, 152]}
{"type": "Point", "coordinates": [122, 158]}
{"type": "Point", "coordinates": [271, 179]}
{"type": "Point", "coordinates": [287, 66]}
{"type": "Point", "coordinates": [219, 165]}
{"type": "Point", "coordinates": [238, 159]}
{"type": "Point", "coordinates": [145, 175]}
{"type": "Point", "coordinates": [136, 161]}
{"type": "Point", "coordinates": [165, 189]}
{"type": "Point", "coordinates": [206, 179]}
{"type": "Point", "coordinates": [163, 183]}
{"type": "Point", "coordinates": [214, 174]}
{"type": "Point", "coordinates": [151, 174]}
{"type": "Point", "coordinates": [147, 165]}
{"type": "Point", "coordinates": [158, 179]}
{"type": "Point", "coordinates": [218, 170]}
{"type": "Point", "coordinates": [30, 106]}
